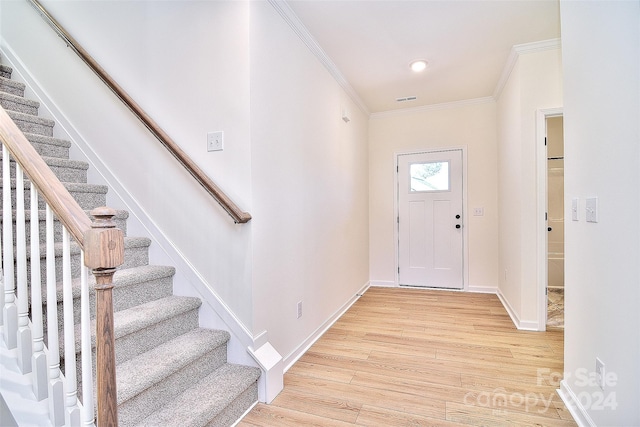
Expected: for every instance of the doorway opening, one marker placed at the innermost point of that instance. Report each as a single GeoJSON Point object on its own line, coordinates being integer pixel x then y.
{"type": "Point", "coordinates": [545, 225]}
{"type": "Point", "coordinates": [555, 222]}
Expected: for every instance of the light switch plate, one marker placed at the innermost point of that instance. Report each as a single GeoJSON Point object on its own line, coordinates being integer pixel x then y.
{"type": "Point", "coordinates": [574, 209]}
{"type": "Point", "coordinates": [215, 141]}
{"type": "Point", "coordinates": [600, 373]}
{"type": "Point", "coordinates": [591, 209]}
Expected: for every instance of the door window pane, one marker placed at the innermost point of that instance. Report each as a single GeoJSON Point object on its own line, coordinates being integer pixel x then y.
{"type": "Point", "coordinates": [432, 176]}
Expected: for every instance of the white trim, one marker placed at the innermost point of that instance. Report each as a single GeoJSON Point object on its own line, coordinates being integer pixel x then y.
{"type": "Point", "coordinates": [521, 325]}
{"type": "Point", "coordinates": [528, 326]}
{"type": "Point", "coordinates": [383, 284]}
{"type": "Point", "coordinates": [432, 107]}
{"type": "Point", "coordinates": [482, 289]}
{"type": "Point", "coordinates": [571, 401]}
{"type": "Point", "coordinates": [271, 382]}
{"type": "Point", "coordinates": [510, 311]}
{"type": "Point", "coordinates": [245, 414]}
{"type": "Point", "coordinates": [396, 211]}
{"type": "Point", "coordinates": [541, 208]}
{"type": "Point", "coordinates": [299, 351]}
{"type": "Point", "coordinates": [516, 51]}
{"type": "Point", "coordinates": [539, 46]}
{"type": "Point", "coordinates": [301, 31]}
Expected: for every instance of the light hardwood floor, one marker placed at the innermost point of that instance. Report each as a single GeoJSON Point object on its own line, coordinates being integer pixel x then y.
{"type": "Point", "coordinates": [407, 357]}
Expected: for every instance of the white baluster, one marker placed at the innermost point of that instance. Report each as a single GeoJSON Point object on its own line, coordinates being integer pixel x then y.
{"type": "Point", "coordinates": [87, 362]}
{"type": "Point", "coordinates": [24, 332]}
{"type": "Point", "coordinates": [9, 309]}
{"type": "Point", "coordinates": [72, 411]}
{"type": "Point", "coordinates": [39, 359]}
{"type": "Point", "coordinates": [56, 385]}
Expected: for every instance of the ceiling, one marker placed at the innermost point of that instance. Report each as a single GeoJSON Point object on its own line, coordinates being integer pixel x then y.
{"type": "Point", "coordinates": [466, 43]}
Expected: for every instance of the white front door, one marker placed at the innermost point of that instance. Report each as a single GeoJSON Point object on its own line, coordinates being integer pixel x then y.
{"type": "Point", "coordinates": [430, 219]}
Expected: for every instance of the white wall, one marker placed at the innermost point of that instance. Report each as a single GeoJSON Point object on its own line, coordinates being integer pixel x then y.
{"type": "Point", "coordinates": [289, 158]}
{"type": "Point", "coordinates": [471, 124]}
{"type": "Point", "coordinates": [602, 155]}
{"type": "Point", "coordinates": [309, 171]}
{"type": "Point", "coordinates": [535, 83]}
{"type": "Point", "coordinates": [187, 64]}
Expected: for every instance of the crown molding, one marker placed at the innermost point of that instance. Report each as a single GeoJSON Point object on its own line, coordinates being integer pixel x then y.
{"type": "Point", "coordinates": [301, 31]}
{"type": "Point", "coordinates": [516, 51]}
{"type": "Point", "coordinates": [432, 107]}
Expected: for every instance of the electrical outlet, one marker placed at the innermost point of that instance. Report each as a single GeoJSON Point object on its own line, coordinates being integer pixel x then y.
{"type": "Point", "coordinates": [215, 141]}
{"type": "Point", "coordinates": [600, 374]}
{"type": "Point", "coordinates": [478, 211]}
{"type": "Point", "coordinates": [299, 309]}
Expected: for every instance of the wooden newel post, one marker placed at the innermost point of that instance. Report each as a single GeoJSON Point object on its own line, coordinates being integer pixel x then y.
{"type": "Point", "coordinates": [104, 251]}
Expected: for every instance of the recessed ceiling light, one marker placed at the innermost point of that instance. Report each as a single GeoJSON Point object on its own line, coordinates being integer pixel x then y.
{"type": "Point", "coordinates": [418, 65]}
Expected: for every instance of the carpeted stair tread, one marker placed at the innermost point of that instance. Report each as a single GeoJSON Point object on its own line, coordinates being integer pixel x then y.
{"type": "Point", "coordinates": [32, 124]}
{"type": "Point", "coordinates": [121, 279]}
{"type": "Point", "coordinates": [66, 170]}
{"type": "Point", "coordinates": [155, 365]}
{"type": "Point", "coordinates": [140, 317]}
{"type": "Point", "coordinates": [88, 196]}
{"type": "Point", "coordinates": [49, 146]}
{"type": "Point", "coordinates": [11, 86]}
{"type": "Point", "coordinates": [70, 186]}
{"type": "Point", "coordinates": [74, 248]}
{"type": "Point", "coordinates": [120, 218]}
{"type": "Point", "coordinates": [143, 273]}
{"type": "Point", "coordinates": [11, 102]}
{"type": "Point", "coordinates": [136, 253]}
{"type": "Point", "coordinates": [144, 315]}
{"type": "Point", "coordinates": [200, 404]}
{"type": "Point", "coordinates": [42, 214]}
{"type": "Point", "coordinates": [62, 163]}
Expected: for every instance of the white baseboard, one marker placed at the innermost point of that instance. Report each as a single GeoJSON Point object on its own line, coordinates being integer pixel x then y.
{"type": "Point", "coordinates": [383, 284]}
{"type": "Point", "coordinates": [470, 288]}
{"type": "Point", "coordinates": [510, 311]}
{"type": "Point", "coordinates": [482, 289]}
{"type": "Point", "coordinates": [571, 401]}
{"type": "Point", "coordinates": [520, 324]}
{"type": "Point", "coordinates": [311, 339]}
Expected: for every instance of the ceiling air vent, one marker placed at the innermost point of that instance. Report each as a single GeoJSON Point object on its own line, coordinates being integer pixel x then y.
{"type": "Point", "coordinates": [406, 98]}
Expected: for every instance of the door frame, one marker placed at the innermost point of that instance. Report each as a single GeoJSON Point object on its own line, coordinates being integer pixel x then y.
{"type": "Point", "coordinates": [542, 235]}
{"type": "Point", "coordinates": [396, 214]}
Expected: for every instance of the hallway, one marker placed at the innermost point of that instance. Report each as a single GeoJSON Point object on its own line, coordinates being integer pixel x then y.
{"type": "Point", "coordinates": [406, 357]}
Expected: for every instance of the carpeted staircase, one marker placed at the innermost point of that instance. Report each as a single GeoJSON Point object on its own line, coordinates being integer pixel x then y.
{"type": "Point", "coordinates": [170, 372]}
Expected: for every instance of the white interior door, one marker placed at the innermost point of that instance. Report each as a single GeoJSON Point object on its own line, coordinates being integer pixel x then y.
{"type": "Point", "coordinates": [430, 219]}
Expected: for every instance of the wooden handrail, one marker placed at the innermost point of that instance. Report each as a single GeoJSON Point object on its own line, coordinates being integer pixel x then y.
{"type": "Point", "coordinates": [227, 204]}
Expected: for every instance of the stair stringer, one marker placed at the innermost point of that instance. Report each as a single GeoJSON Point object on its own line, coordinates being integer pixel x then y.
{"type": "Point", "coordinates": [243, 347]}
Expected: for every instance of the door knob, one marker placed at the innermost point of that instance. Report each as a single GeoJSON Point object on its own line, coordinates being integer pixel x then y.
{"type": "Point", "coordinates": [457, 216]}
{"type": "Point", "coordinates": [549, 228]}
{"type": "Point", "coordinates": [458, 226]}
